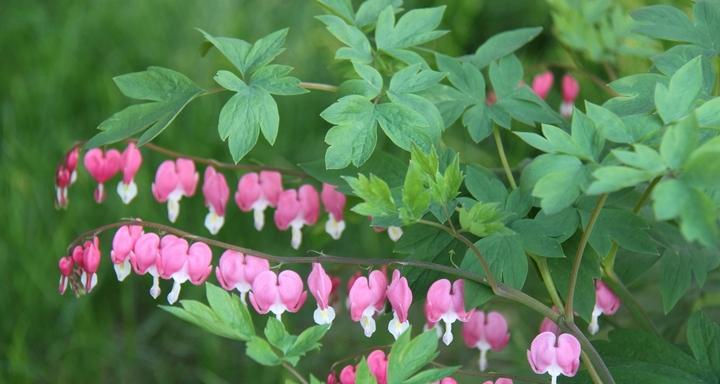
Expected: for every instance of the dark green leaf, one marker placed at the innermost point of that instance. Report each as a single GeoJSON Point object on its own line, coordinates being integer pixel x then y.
{"type": "Point", "coordinates": [703, 335]}
{"type": "Point", "coordinates": [505, 254]}
{"type": "Point", "coordinates": [503, 44]}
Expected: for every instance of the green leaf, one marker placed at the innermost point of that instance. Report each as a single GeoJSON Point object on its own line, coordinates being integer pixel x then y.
{"type": "Point", "coordinates": [229, 310]}
{"type": "Point", "coordinates": [702, 168]}
{"type": "Point", "coordinates": [343, 8]}
{"type": "Point", "coordinates": [369, 11]}
{"type": "Point", "coordinates": [678, 98]}
{"type": "Point", "coordinates": [202, 316]}
{"type": "Point", "coordinates": [586, 137]}
{"type": "Point", "coordinates": [242, 118]}
{"type": "Point", "coordinates": [679, 141]}
{"type": "Point", "coordinates": [503, 44]}
{"type": "Point", "coordinates": [169, 92]}
{"type": "Point", "coordinates": [235, 50]}
{"type": "Point", "coordinates": [408, 356]}
{"type": "Point", "coordinates": [584, 298]}
{"type": "Point", "coordinates": [614, 178]}
{"type": "Point", "coordinates": [260, 350]}
{"type": "Point", "coordinates": [609, 124]}
{"type": "Point", "coordinates": [476, 294]}
{"type": "Point", "coordinates": [277, 335]}
{"type": "Point", "coordinates": [664, 22]}
{"type": "Point", "coordinates": [354, 137]}
{"type": "Point", "coordinates": [357, 48]}
{"type": "Point", "coordinates": [703, 336]}
{"type": "Point", "coordinates": [265, 50]}
{"type": "Point", "coordinates": [362, 373]}
{"type": "Point", "coordinates": [308, 340]}
{"type": "Point", "coordinates": [272, 79]}
{"type": "Point", "coordinates": [573, 180]}
{"type": "Point", "coordinates": [698, 217]}
{"type": "Point", "coordinates": [644, 158]}
{"type": "Point", "coordinates": [385, 166]}
{"type": "Point", "coordinates": [628, 230]}
{"type": "Point", "coordinates": [463, 76]}
{"type": "Point", "coordinates": [544, 165]}
{"type": "Point", "coordinates": [505, 254]}
{"type": "Point", "coordinates": [376, 194]}
{"type": "Point", "coordinates": [537, 238]}
{"type": "Point", "coordinates": [414, 79]}
{"type": "Point", "coordinates": [708, 114]}
{"type": "Point", "coordinates": [505, 75]}
{"type": "Point", "coordinates": [424, 108]}
{"type": "Point", "coordinates": [432, 375]}
{"type": "Point", "coordinates": [484, 186]}
{"type": "Point", "coordinates": [415, 27]}
{"type": "Point", "coordinates": [482, 219]}
{"type": "Point", "coordinates": [637, 93]}
{"type": "Point", "coordinates": [371, 76]}
{"type": "Point", "coordinates": [415, 196]}
{"type": "Point", "coordinates": [403, 126]}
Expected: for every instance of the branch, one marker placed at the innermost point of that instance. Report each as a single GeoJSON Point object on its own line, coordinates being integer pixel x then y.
{"type": "Point", "coordinates": [493, 375]}
{"type": "Point", "coordinates": [295, 373]}
{"type": "Point", "coordinates": [579, 255]}
{"type": "Point", "coordinates": [318, 86]}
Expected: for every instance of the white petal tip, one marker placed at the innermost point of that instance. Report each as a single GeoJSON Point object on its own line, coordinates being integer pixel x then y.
{"type": "Point", "coordinates": [127, 192]}
{"type": "Point", "coordinates": [214, 222]}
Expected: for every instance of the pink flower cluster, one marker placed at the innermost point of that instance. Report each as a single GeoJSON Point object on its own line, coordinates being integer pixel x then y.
{"type": "Point", "coordinates": [175, 179]}
{"type": "Point", "coordinates": [543, 82]}
{"type": "Point", "coordinates": [377, 362]}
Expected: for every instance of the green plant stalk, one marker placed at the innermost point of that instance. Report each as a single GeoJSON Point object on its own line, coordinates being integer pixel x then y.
{"type": "Point", "coordinates": [547, 280]}
{"type": "Point", "coordinates": [295, 373]}
{"type": "Point", "coordinates": [569, 314]}
{"type": "Point", "coordinates": [318, 86]}
{"type": "Point", "coordinates": [503, 158]}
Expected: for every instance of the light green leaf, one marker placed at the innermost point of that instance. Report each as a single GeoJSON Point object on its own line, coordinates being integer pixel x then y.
{"type": "Point", "coordinates": [614, 178]}
{"type": "Point", "coordinates": [414, 79]}
{"type": "Point", "coordinates": [503, 44]}
{"type": "Point", "coordinates": [702, 168]}
{"type": "Point", "coordinates": [482, 219]}
{"type": "Point", "coordinates": [609, 124]}
{"type": "Point", "coordinates": [357, 44]}
{"type": "Point", "coordinates": [678, 141]}
{"type": "Point", "coordinates": [408, 356]}
{"type": "Point", "coordinates": [265, 50]}
{"type": "Point", "coordinates": [403, 126]}
{"type": "Point", "coordinates": [245, 114]}
{"type": "Point", "coordinates": [259, 350]}
{"type": "Point", "coordinates": [644, 157]}
{"type": "Point", "coordinates": [273, 79]}
{"type": "Point", "coordinates": [463, 76]}
{"type": "Point", "coordinates": [415, 196]}
{"type": "Point", "coordinates": [478, 123]}
{"type": "Point", "coordinates": [673, 198]}
{"type": "Point", "coordinates": [544, 165]}
{"type": "Point", "coordinates": [369, 11]}
{"type": "Point", "coordinates": [708, 114]}
{"type": "Point", "coordinates": [229, 310]}
{"type": "Point", "coordinates": [484, 186]}
{"type": "Point", "coordinates": [664, 22]}
{"type": "Point", "coordinates": [678, 98]}
{"type": "Point", "coordinates": [505, 75]}
{"type": "Point", "coordinates": [362, 373]}
{"type": "Point", "coordinates": [554, 199]}
{"type": "Point", "coordinates": [415, 27]}
{"type": "Point", "coordinates": [342, 8]}
{"type": "Point", "coordinates": [235, 50]}
{"type": "Point", "coordinates": [308, 340]}
{"type": "Point", "coordinates": [431, 375]}
{"type": "Point", "coordinates": [371, 76]}
{"type": "Point", "coordinates": [376, 194]}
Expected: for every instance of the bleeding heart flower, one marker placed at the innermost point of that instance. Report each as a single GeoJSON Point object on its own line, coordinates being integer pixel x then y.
{"type": "Point", "coordinates": [62, 182]}
{"type": "Point", "coordinates": [238, 271]}
{"type": "Point", "coordinates": [501, 380]}
{"type": "Point", "coordinates": [172, 263]}
{"type": "Point", "coordinates": [102, 166]}
{"type": "Point", "coordinates": [199, 263]}
{"type": "Point", "coordinates": [130, 163]}
{"type": "Point", "coordinates": [378, 363]}
{"type": "Point", "coordinates": [277, 293]}
{"type": "Point", "coordinates": [486, 332]}
{"type": "Point", "coordinates": [570, 91]}
{"type": "Point", "coordinates": [606, 303]}
{"type": "Point", "coordinates": [347, 375]}
{"type": "Point", "coordinates": [548, 325]}
{"type": "Point", "coordinates": [173, 180]}
{"type": "Point", "coordinates": [400, 297]}
{"type": "Point", "coordinates": [367, 297]}
{"type": "Point", "coordinates": [447, 380]}
{"type": "Point", "coordinates": [71, 162]}
{"type": "Point", "coordinates": [445, 302]}
{"type": "Point", "coordinates": [65, 265]}
{"type": "Point", "coordinates": [122, 249]}
{"type": "Point", "coordinates": [334, 203]}
{"type": "Point", "coordinates": [320, 286]}
{"type": "Point", "coordinates": [555, 355]}
{"type": "Point", "coordinates": [542, 83]}
{"type": "Point", "coordinates": [257, 192]}
{"type": "Point", "coordinates": [146, 250]}
{"type": "Point", "coordinates": [216, 192]}
{"type": "Point", "coordinates": [296, 209]}
{"type": "Point", "coordinates": [90, 264]}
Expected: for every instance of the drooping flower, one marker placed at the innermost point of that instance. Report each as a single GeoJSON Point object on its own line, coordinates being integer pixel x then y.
{"type": "Point", "coordinates": [172, 263]}
{"type": "Point", "coordinates": [486, 332]}
{"type": "Point", "coordinates": [277, 293]}
{"type": "Point", "coordinates": [347, 375]}
{"type": "Point", "coordinates": [65, 265]}
{"type": "Point", "coordinates": [216, 192]}
{"type": "Point", "coordinates": [146, 250]}
{"type": "Point", "coordinates": [570, 91]}
{"type": "Point", "coordinates": [447, 380]}
{"type": "Point", "coordinates": [334, 203]}
{"type": "Point", "coordinates": [542, 84]}
{"type": "Point", "coordinates": [71, 161]}
{"type": "Point", "coordinates": [501, 380]}
{"type": "Point", "coordinates": [129, 165]}
{"type": "Point", "coordinates": [395, 232]}
{"type": "Point", "coordinates": [606, 303]}
{"type": "Point", "coordinates": [378, 363]}
{"type": "Point", "coordinates": [548, 325]}
{"type": "Point", "coordinates": [400, 297]}
{"type": "Point", "coordinates": [554, 355]}
{"type": "Point", "coordinates": [256, 192]}
{"type": "Point", "coordinates": [320, 286]}
{"type": "Point", "coordinates": [367, 297]}
{"type": "Point", "coordinates": [102, 166]}
{"type": "Point", "coordinates": [173, 180]}
{"type": "Point", "coordinates": [236, 270]}
{"type": "Point", "coordinates": [296, 209]}
{"type": "Point", "coordinates": [62, 182]}
{"type": "Point", "coordinates": [90, 264]}
{"type": "Point", "coordinates": [122, 249]}
{"type": "Point", "coordinates": [199, 262]}
{"type": "Point", "coordinates": [445, 302]}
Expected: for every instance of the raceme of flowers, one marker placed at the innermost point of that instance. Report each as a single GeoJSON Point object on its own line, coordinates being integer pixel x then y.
{"type": "Point", "coordinates": [377, 362]}
{"type": "Point", "coordinates": [570, 88]}
{"type": "Point", "coordinates": [170, 257]}
{"type": "Point", "coordinates": [178, 178]}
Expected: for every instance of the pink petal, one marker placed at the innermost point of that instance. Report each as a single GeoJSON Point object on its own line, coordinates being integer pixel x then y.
{"type": "Point", "coordinates": [438, 300]}
{"type": "Point", "coordinates": [216, 190]}
{"type": "Point", "coordinates": [377, 362]}
{"type": "Point", "coordinates": [333, 201]}
{"type": "Point", "coordinates": [187, 177]}
{"type": "Point", "coordinates": [271, 182]}
{"type": "Point", "coordinates": [198, 262]}
{"type": "Point", "coordinates": [264, 291]}
{"type": "Point", "coordinates": [570, 88]}
{"type": "Point", "coordinates": [474, 329]}
{"type": "Point", "coordinates": [399, 295]}
{"type": "Point", "coordinates": [568, 354]}
{"type": "Point", "coordinates": [290, 288]}
{"type": "Point", "coordinates": [145, 252]}
{"type": "Point", "coordinates": [320, 285]}
{"type": "Point", "coordinates": [347, 375]}
{"type": "Point", "coordinates": [288, 208]}
{"type": "Point", "coordinates": [309, 204]}
{"type": "Point", "coordinates": [606, 299]}
{"type": "Point", "coordinates": [131, 161]}
{"type": "Point", "coordinates": [360, 297]}
{"type": "Point", "coordinates": [166, 181]}
{"type": "Point", "coordinates": [496, 331]}
{"type": "Point", "coordinates": [172, 257]}
{"type": "Point", "coordinates": [248, 191]}
{"type": "Point", "coordinates": [542, 83]}
{"type": "Point", "coordinates": [542, 352]}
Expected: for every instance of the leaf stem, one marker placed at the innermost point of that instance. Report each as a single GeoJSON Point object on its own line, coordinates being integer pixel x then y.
{"type": "Point", "coordinates": [318, 86]}
{"type": "Point", "coordinates": [569, 314]}
{"type": "Point", "coordinates": [547, 280]}
{"type": "Point", "coordinates": [295, 373]}
{"type": "Point", "coordinates": [503, 158]}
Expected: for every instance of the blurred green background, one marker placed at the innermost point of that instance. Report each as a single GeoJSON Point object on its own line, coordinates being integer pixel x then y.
{"type": "Point", "coordinates": [56, 67]}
